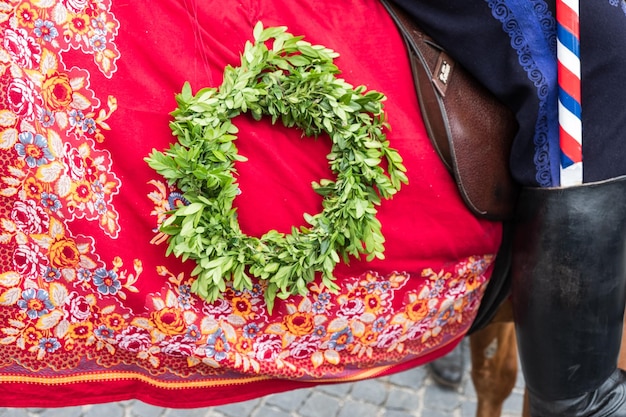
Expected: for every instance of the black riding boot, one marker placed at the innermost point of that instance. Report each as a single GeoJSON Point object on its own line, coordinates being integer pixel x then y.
{"type": "Point", "coordinates": [569, 276]}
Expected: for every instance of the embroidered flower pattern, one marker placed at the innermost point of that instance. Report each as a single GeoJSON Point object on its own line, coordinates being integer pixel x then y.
{"type": "Point", "coordinates": [34, 149]}
{"type": "Point", "coordinates": [619, 3]}
{"type": "Point", "coordinates": [364, 323]}
{"type": "Point", "coordinates": [106, 281]}
{"type": "Point", "coordinates": [35, 303]}
{"type": "Point", "coordinates": [373, 319]}
{"type": "Point", "coordinates": [65, 297]}
{"type": "Point", "coordinates": [53, 120]}
{"type": "Point", "coordinates": [45, 30]}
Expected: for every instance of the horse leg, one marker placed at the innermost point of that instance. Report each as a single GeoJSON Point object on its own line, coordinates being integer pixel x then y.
{"type": "Point", "coordinates": [494, 363]}
{"type": "Point", "coordinates": [494, 367]}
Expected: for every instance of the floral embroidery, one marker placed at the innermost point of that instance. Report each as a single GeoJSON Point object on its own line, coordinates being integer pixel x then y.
{"type": "Point", "coordinates": [619, 3]}
{"type": "Point", "coordinates": [35, 303]}
{"type": "Point", "coordinates": [34, 149]}
{"type": "Point", "coordinates": [106, 281]}
{"type": "Point", "coordinates": [519, 18]}
{"type": "Point", "coordinates": [69, 303]}
{"type": "Point", "coordinates": [363, 323]}
{"type": "Point", "coordinates": [53, 119]}
{"type": "Point", "coordinates": [65, 298]}
{"type": "Point", "coordinates": [45, 30]}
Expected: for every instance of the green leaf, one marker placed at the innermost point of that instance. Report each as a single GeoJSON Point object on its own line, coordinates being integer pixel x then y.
{"type": "Point", "coordinates": [298, 60]}
{"type": "Point", "coordinates": [271, 32]}
{"type": "Point", "coordinates": [360, 207]}
{"type": "Point", "coordinates": [258, 29]}
{"type": "Point", "coordinates": [186, 93]}
{"type": "Point", "coordinates": [190, 209]}
{"type": "Point", "coordinates": [271, 267]}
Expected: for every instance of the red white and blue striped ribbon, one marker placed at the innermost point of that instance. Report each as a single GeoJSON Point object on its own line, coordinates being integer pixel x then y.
{"type": "Point", "coordinates": [570, 121]}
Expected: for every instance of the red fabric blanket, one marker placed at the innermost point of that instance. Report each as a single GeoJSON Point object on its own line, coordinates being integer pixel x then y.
{"type": "Point", "coordinates": [91, 309]}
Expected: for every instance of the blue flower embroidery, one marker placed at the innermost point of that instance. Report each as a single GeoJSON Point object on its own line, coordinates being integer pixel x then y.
{"type": "Point", "coordinates": [176, 199]}
{"type": "Point", "coordinates": [106, 281]}
{"type": "Point", "coordinates": [89, 125]}
{"type": "Point", "coordinates": [323, 297]}
{"type": "Point", "coordinates": [184, 297]}
{"type": "Point", "coordinates": [255, 291]}
{"type": "Point", "coordinates": [379, 325]}
{"type": "Point", "coordinates": [217, 346]}
{"type": "Point", "coordinates": [46, 117]}
{"type": "Point", "coordinates": [50, 201]}
{"type": "Point", "coordinates": [51, 274]}
{"type": "Point", "coordinates": [103, 332]}
{"type": "Point", "coordinates": [250, 330]}
{"type": "Point", "coordinates": [76, 118]}
{"type": "Point", "coordinates": [98, 42]}
{"type": "Point", "coordinates": [341, 340]}
{"type": "Point", "coordinates": [36, 303]}
{"type": "Point", "coordinates": [318, 307]}
{"type": "Point", "coordinates": [193, 333]}
{"type": "Point", "coordinates": [98, 188]}
{"type": "Point", "coordinates": [46, 30]}
{"type": "Point", "coordinates": [99, 26]}
{"type": "Point", "coordinates": [34, 148]}
{"type": "Point", "coordinates": [49, 344]}
{"type": "Point", "coordinates": [319, 331]}
{"type": "Point", "coordinates": [101, 206]}
{"type": "Point", "coordinates": [83, 275]}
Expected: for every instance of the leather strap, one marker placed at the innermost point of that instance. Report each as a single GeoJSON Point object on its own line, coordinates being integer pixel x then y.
{"type": "Point", "coordinates": [470, 129]}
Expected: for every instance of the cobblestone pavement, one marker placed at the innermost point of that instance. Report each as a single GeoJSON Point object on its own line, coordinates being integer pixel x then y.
{"type": "Point", "coordinates": [408, 394]}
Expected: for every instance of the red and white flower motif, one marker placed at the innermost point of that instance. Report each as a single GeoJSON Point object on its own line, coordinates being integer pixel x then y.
{"type": "Point", "coordinates": [23, 50]}
{"type": "Point", "coordinates": [134, 339]}
{"type": "Point", "coordinates": [78, 309]}
{"type": "Point", "coordinates": [29, 261]}
{"type": "Point", "coordinates": [458, 288]}
{"type": "Point", "coordinates": [29, 217]}
{"type": "Point", "coordinates": [304, 348]}
{"type": "Point", "coordinates": [473, 303]}
{"type": "Point", "coordinates": [351, 308]}
{"type": "Point", "coordinates": [22, 98]}
{"type": "Point", "coordinates": [74, 162]}
{"type": "Point", "coordinates": [417, 330]}
{"type": "Point", "coordinates": [76, 6]}
{"type": "Point", "coordinates": [389, 336]}
{"type": "Point", "coordinates": [178, 346]}
{"type": "Point", "coordinates": [219, 308]}
{"type": "Point", "coordinates": [267, 347]}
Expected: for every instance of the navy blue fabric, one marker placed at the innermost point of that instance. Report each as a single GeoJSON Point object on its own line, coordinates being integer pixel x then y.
{"type": "Point", "coordinates": [510, 46]}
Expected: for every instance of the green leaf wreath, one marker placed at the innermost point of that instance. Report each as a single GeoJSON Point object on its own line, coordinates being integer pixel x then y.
{"type": "Point", "coordinates": [287, 79]}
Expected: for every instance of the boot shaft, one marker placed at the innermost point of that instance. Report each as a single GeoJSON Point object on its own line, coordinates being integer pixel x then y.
{"type": "Point", "coordinates": [569, 276]}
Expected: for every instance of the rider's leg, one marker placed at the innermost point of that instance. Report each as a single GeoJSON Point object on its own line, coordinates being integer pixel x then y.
{"type": "Point", "coordinates": [570, 255]}
{"type": "Point", "coordinates": [569, 276]}
{"type": "Point", "coordinates": [569, 289]}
